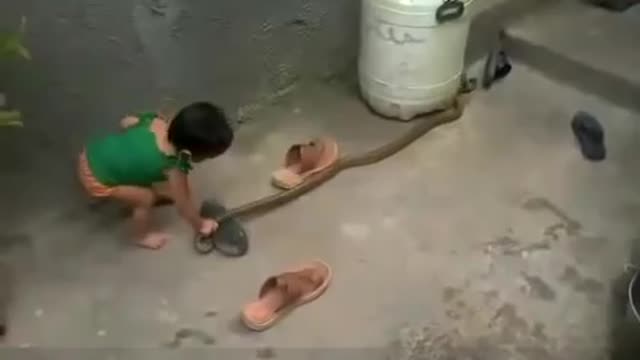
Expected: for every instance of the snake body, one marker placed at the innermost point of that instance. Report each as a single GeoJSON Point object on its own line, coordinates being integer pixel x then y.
{"type": "Point", "coordinates": [349, 161]}
{"type": "Point", "coordinates": [205, 245]}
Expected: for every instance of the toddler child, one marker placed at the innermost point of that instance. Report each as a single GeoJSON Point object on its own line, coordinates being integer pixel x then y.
{"type": "Point", "coordinates": [148, 163]}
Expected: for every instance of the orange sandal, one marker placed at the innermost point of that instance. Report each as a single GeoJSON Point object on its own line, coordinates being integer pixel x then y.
{"type": "Point", "coordinates": [281, 294]}
{"type": "Point", "coordinates": [304, 160]}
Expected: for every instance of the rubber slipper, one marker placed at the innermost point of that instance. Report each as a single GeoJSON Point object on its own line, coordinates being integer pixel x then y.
{"type": "Point", "coordinates": [230, 239]}
{"type": "Point", "coordinates": [304, 160]}
{"type": "Point", "coordinates": [616, 5]}
{"type": "Point", "coordinates": [283, 293]}
{"type": "Point", "coordinates": [590, 135]}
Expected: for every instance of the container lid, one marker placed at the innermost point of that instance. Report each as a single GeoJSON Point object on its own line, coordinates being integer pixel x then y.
{"type": "Point", "coordinates": [426, 3]}
{"type": "Point", "coordinates": [416, 7]}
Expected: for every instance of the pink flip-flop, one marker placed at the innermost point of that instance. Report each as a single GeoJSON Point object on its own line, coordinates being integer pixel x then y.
{"type": "Point", "coordinates": [283, 293]}
{"type": "Point", "coordinates": [304, 160]}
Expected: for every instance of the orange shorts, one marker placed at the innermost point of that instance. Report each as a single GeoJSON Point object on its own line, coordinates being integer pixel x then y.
{"type": "Point", "coordinates": [94, 187]}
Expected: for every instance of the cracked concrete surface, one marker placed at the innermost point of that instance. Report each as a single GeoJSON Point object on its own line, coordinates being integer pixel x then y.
{"type": "Point", "coordinates": [490, 238]}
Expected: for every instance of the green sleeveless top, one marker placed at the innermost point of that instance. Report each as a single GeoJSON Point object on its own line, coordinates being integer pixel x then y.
{"type": "Point", "coordinates": [132, 157]}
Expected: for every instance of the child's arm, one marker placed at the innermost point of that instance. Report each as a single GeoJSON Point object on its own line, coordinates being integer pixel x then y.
{"type": "Point", "coordinates": [129, 121]}
{"type": "Point", "coordinates": [179, 187]}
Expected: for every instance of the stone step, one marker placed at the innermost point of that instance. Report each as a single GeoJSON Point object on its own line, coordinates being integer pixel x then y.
{"type": "Point", "coordinates": [491, 16]}
{"type": "Point", "coordinates": [587, 47]}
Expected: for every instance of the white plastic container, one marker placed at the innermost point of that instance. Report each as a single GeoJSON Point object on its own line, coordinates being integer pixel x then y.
{"type": "Point", "coordinates": [410, 63]}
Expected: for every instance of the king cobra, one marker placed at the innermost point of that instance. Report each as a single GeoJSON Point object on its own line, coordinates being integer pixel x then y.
{"type": "Point", "coordinates": [423, 126]}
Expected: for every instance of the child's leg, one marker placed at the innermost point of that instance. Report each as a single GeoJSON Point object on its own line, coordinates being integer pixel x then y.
{"type": "Point", "coordinates": [163, 193]}
{"type": "Point", "coordinates": [141, 201]}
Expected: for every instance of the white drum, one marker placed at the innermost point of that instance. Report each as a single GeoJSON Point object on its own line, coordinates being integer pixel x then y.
{"type": "Point", "coordinates": [412, 54]}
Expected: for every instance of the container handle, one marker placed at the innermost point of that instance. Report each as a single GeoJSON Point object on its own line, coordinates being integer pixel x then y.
{"type": "Point", "coordinates": [450, 10]}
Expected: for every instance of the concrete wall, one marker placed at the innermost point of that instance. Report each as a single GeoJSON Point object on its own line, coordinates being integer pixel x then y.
{"type": "Point", "coordinates": [107, 57]}
{"type": "Point", "coordinates": [95, 60]}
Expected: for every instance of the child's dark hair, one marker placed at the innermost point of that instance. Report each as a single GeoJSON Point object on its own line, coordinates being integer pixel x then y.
{"type": "Point", "coordinates": [202, 129]}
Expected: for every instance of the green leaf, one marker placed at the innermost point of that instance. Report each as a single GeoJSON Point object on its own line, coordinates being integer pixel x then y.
{"type": "Point", "coordinates": [11, 43]}
{"type": "Point", "coordinates": [11, 118]}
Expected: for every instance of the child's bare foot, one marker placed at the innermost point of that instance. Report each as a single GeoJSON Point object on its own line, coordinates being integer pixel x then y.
{"type": "Point", "coordinates": [153, 241]}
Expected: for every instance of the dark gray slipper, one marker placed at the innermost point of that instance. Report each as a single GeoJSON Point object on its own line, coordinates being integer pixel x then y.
{"type": "Point", "coordinates": [590, 135]}
{"type": "Point", "coordinates": [615, 5]}
{"type": "Point", "coordinates": [230, 239]}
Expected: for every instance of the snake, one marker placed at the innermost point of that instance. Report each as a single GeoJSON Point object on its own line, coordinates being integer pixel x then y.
{"type": "Point", "coordinates": [422, 126]}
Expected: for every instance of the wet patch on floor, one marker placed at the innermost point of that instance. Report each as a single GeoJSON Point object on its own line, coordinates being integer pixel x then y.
{"type": "Point", "coordinates": [435, 342]}
{"type": "Point", "coordinates": [494, 324]}
{"type": "Point", "coordinates": [587, 247]}
{"type": "Point", "coordinates": [592, 288]}
{"type": "Point", "coordinates": [507, 321]}
{"type": "Point", "coordinates": [584, 246]}
{"type": "Point", "coordinates": [491, 296]}
{"type": "Point", "coordinates": [484, 327]}
{"type": "Point", "coordinates": [197, 336]}
{"type": "Point", "coordinates": [510, 246]}
{"type": "Point", "coordinates": [455, 306]}
{"type": "Point", "coordinates": [552, 231]}
{"type": "Point", "coordinates": [566, 229]}
{"type": "Point", "coordinates": [488, 320]}
{"type": "Point", "coordinates": [457, 311]}
{"type": "Point", "coordinates": [450, 293]}
{"type": "Point", "coordinates": [538, 288]}
{"type": "Point", "coordinates": [538, 332]}
{"type": "Point", "coordinates": [211, 313]}
{"type": "Point", "coordinates": [265, 353]}
{"type": "Point", "coordinates": [571, 226]}
{"type": "Point", "coordinates": [501, 245]}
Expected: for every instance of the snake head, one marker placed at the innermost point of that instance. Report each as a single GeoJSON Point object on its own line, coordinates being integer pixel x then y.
{"type": "Point", "coordinates": [203, 244]}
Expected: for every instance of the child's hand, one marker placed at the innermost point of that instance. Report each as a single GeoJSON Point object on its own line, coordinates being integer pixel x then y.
{"type": "Point", "coordinates": [208, 227]}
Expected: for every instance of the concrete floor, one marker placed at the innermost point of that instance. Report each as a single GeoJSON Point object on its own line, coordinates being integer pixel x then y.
{"type": "Point", "coordinates": [491, 237]}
